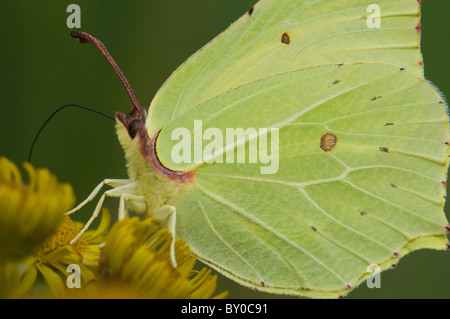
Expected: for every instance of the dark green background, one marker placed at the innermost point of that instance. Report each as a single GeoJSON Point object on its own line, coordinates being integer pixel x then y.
{"type": "Point", "coordinates": [42, 68]}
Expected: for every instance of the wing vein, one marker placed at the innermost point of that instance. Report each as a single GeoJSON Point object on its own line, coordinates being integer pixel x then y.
{"type": "Point", "coordinates": [305, 194]}
{"type": "Point", "coordinates": [392, 204]}
{"type": "Point", "coordinates": [243, 213]}
{"type": "Point", "coordinates": [213, 229]}
{"type": "Point", "coordinates": [235, 43]}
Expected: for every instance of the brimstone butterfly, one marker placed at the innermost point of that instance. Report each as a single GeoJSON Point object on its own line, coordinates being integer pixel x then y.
{"type": "Point", "coordinates": [362, 147]}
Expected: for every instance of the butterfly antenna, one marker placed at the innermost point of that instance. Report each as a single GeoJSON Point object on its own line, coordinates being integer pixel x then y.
{"type": "Point", "coordinates": [54, 113]}
{"type": "Point", "coordinates": [84, 37]}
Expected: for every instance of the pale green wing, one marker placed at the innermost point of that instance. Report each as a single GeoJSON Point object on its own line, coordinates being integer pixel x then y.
{"type": "Point", "coordinates": [313, 227]}
{"type": "Point", "coordinates": [283, 35]}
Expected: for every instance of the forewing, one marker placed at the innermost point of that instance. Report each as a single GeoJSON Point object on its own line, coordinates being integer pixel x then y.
{"type": "Point", "coordinates": [280, 36]}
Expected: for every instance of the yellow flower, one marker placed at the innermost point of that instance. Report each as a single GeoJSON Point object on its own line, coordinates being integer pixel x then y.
{"type": "Point", "coordinates": [35, 234]}
{"type": "Point", "coordinates": [57, 254]}
{"type": "Point", "coordinates": [29, 213]}
{"type": "Point", "coordinates": [36, 256]}
{"type": "Point", "coordinates": [51, 261]}
{"type": "Point", "coordinates": [135, 263]}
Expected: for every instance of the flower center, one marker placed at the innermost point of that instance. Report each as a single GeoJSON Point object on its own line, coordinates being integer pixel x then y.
{"type": "Point", "coordinates": [66, 231]}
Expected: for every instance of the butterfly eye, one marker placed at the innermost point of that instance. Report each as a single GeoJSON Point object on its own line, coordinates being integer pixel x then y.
{"type": "Point", "coordinates": [133, 128]}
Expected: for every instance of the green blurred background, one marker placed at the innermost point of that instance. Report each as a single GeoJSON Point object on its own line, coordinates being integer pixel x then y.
{"type": "Point", "coordinates": [42, 68]}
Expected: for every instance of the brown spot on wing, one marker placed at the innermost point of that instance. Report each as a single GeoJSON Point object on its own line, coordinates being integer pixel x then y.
{"type": "Point", "coordinates": [419, 28]}
{"type": "Point", "coordinates": [285, 38]}
{"type": "Point", "coordinates": [335, 82]}
{"type": "Point", "coordinates": [375, 98]}
{"type": "Point", "coordinates": [328, 142]}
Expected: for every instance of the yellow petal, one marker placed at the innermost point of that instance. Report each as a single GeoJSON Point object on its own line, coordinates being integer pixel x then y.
{"type": "Point", "coordinates": [53, 280]}
{"type": "Point", "coordinates": [29, 213]}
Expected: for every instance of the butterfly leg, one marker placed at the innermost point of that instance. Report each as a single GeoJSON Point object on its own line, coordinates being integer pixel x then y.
{"type": "Point", "coordinates": [169, 213]}
{"type": "Point", "coordinates": [115, 192]}
{"type": "Point", "coordinates": [109, 182]}
{"type": "Point", "coordinates": [139, 204]}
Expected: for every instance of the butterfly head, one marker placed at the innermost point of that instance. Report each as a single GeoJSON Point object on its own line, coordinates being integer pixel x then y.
{"type": "Point", "coordinates": [132, 126]}
{"type": "Point", "coordinates": [134, 123]}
